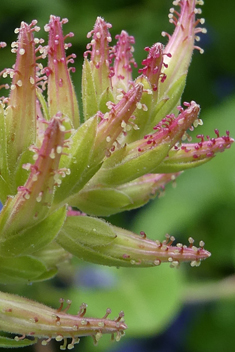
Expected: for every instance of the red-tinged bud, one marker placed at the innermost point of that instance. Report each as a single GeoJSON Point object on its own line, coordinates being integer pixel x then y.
{"type": "Point", "coordinates": [21, 105]}
{"type": "Point", "coordinates": [99, 51]}
{"type": "Point", "coordinates": [114, 122]}
{"type": "Point", "coordinates": [181, 43]}
{"type": "Point", "coordinates": [144, 156]}
{"type": "Point", "coordinates": [61, 94]}
{"type": "Point", "coordinates": [122, 53]}
{"type": "Point", "coordinates": [20, 315]}
{"type": "Point", "coordinates": [33, 200]}
{"type": "Point", "coordinates": [141, 251]}
{"type": "Point", "coordinates": [170, 130]}
{"type": "Point", "coordinates": [153, 65]}
{"type": "Point", "coordinates": [189, 155]}
{"type": "Point", "coordinates": [99, 242]}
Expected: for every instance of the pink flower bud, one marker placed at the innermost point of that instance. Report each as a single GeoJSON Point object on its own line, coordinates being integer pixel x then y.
{"type": "Point", "coordinates": [61, 95]}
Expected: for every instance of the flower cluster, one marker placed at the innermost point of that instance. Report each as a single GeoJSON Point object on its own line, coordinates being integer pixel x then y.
{"type": "Point", "coordinates": [58, 173]}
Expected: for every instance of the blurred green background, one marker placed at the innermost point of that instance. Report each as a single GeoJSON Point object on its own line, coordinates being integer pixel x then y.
{"type": "Point", "coordinates": [190, 309]}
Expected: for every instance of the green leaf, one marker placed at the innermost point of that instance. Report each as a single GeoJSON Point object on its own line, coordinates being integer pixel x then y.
{"type": "Point", "coordinates": [172, 166]}
{"type": "Point", "coordinates": [101, 201]}
{"type": "Point", "coordinates": [86, 230]}
{"type": "Point", "coordinates": [143, 119]}
{"type": "Point", "coordinates": [52, 255]}
{"type": "Point", "coordinates": [104, 98]}
{"type": "Point", "coordinates": [4, 189]}
{"type": "Point", "coordinates": [79, 163]}
{"type": "Point", "coordinates": [21, 269]}
{"type": "Point", "coordinates": [121, 168]}
{"type": "Point", "coordinates": [105, 201]}
{"type": "Point", "coordinates": [169, 101]}
{"type": "Point", "coordinates": [4, 172]}
{"type": "Point", "coordinates": [83, 236]}
{"type": "Point", "coordinates": [43, 105]}
{"type": "Point", "coordinates": [47, 275]}
{"type": "Point", "coordinates": [89, 96]}
{"type": "Point", "coordinates": [34, 238]}
{"type": "Point", "coordinates": [21, 174]}
{"type": "Point", "coordinates": [6, 342]}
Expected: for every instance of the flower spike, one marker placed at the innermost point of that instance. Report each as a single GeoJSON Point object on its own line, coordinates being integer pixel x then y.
{"type": "Point", "coordinates": [123, 59]}
{"type": "Point", "coordinates": [21, 105]}
{"type": "Point", "coordinates": [143, 156]}
{"type": "Point", "coordinates": [188, 155]}
{"type": "Point", "coordinates": [61, 95]}
{"type": "Point", "coordinates": [97, 73]}
{"type": "Point", "coordinates": [110, 245]}
{"type": "Point", "coordinates": [99, 51]}
{"type": "Point", "coordinates": [33, 319]}
{"type": "Point", "coordinates": [100, 140]}
{"type": "Point", "coordinates": [181, 43]}
{"type": "Point", "coordinates": [115, 122]}
{"type": "Point", "coordinates": [153, 65]}
{"type": "Point", "coordinates": [33, 201]}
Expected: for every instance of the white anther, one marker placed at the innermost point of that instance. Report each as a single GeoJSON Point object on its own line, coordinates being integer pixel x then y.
{"type": "Point", "coordinates": [59, 149]}
{"type": "Point", "coordinates": [202, 244]}
{"type": "Point", "coordinates": [139, 105]}
{"type": "Point", "coordinates": [21, 51]}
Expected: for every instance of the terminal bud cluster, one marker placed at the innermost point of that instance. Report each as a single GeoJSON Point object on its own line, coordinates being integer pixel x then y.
{"type": "Point", "coordinates": [61, 166]}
